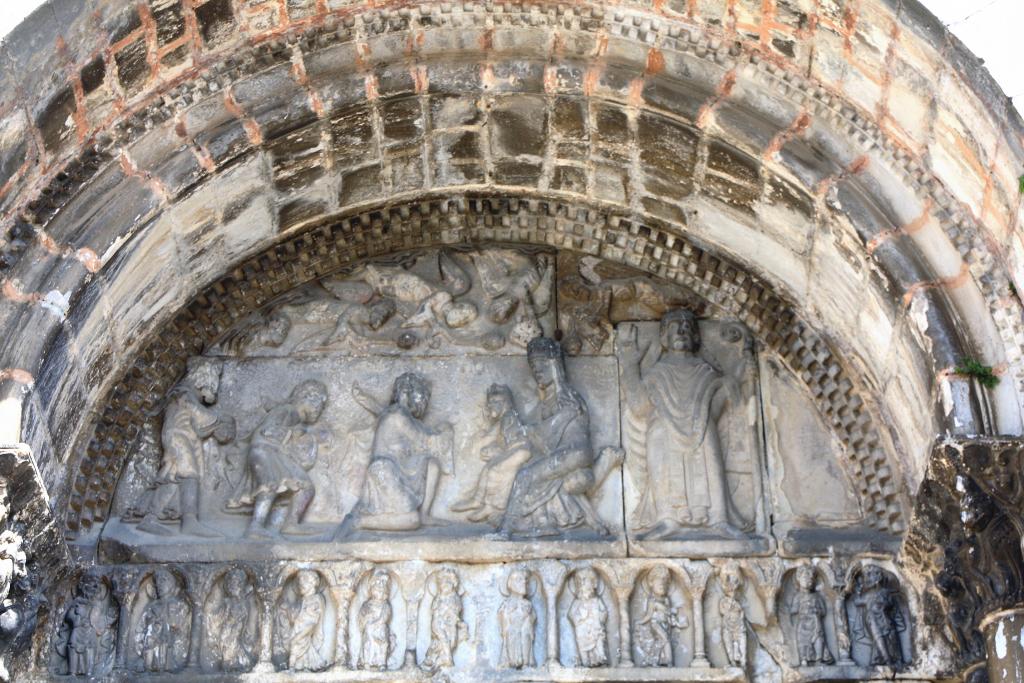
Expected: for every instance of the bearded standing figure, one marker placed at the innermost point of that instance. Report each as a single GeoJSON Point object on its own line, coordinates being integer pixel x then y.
{"type": "Point", "coordinates": [672, 413]}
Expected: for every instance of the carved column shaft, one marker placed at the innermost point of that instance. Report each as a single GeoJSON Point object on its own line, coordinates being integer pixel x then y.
{"type": "Point", "coordinates": [1004, 643]}
{"type": "Point", "coordinates": [700, 658]}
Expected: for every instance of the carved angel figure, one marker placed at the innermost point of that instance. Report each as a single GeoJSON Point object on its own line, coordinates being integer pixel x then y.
{"type": "Point", "coordinates": [375, 624]}
{"type": "Point", "coordinates": [734, 620]}
{"type": "Point", "coordinates": [505, 451]}
{"type": "Point", "coordinates": [281, 451]}
{"type": "Point", "coordinates": [652, 631]}
{"type": "Point", "coordinates": [407, 459]}
{"type": "Point", "coordinates": [302, 624]}
{"type": "Point", "coordinates": [231, 625]}
{"type": "Point", "coordinates": [87, 634]}
{"type": "Point", "coordinates": [589, 618]}
{"type": "Point", "coordinates": [878, 620]}
{"type": "Point", "coordinates": [671, 425]}
{"type": "Point", "coordinates": [162, 636]}
{"type": "Point", "coordinates": [808, 610]}
{"type": "Point", "coordinates": [517, 622]}
{"type": "Point", "coordinates": [447, 629]}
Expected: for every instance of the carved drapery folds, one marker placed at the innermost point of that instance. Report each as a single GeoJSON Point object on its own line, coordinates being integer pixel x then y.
{"type": "Point", "coordinates": [523, 499]}
{"type": "Point", "coordinates": [618, 615]}
{"type": "Point", "coordinates": [966, 535]}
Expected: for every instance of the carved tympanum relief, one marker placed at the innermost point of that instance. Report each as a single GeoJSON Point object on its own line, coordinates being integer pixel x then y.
{"type": "Point", "coordinates": [501, 479]}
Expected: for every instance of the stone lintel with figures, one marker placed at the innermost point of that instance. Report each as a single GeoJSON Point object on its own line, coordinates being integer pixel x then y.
{"type": "Point", "coordinates": [487, 462]}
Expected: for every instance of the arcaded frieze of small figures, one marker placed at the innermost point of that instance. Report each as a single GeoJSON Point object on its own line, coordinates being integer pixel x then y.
{"type": "Point", "coordinates": [715, 619]}
{"type": "Point", "coordinates": [520, 448]}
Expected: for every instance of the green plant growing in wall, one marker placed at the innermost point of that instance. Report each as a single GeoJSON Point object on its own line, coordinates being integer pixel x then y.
{"type": "Point", "coordinates": [970, 367]}
{"type": "Point", "coordinates": [1020, 184]}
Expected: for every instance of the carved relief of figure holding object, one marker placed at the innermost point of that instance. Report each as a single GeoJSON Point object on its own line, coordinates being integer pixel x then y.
{"type": "Point", "coordinates": [230, 624]}
{"type": "Point", "coordinates": [407, 459]}
{"type": "Point", "coordinates": [671, 418]}
{"type": "Point", "coordinates": [517, 621]}
{"type": "Point", "coordinates": [162, 638]}
{"type": "Point", "coordinates": [551, 492]}
{"type": "Point", "coordinates": [504, 454]}
{"type": "Point", "coordinates": [652, 631]}
{"type": "Point", "coordinates": [878, 620]}
{"type": "Point", "coordinates": [809, 611]}
{"type": "Point", "coordinates": [447, 629]}
{"type": "Point", "coordinates": [733, 628]}
{"type": "Point", "coordinates": [86, 637]}
{"type": "Point", "coordinates": [589, 618]}
{"type": "Point", "coordinates": [302, 622]}
{"type": "Point", "coordinates": [281, 451]}
{"type": "Point", "coordinates": [375, 625]}
{"type": "Point", "coordinates": [188, 422]}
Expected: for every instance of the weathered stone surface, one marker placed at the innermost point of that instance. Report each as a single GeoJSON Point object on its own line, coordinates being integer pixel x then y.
{"type": "Point", "coordinates": [838, 179]}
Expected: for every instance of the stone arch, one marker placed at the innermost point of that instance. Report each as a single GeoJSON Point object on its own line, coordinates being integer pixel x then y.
{"type": "Point", "coordinates": [708, 145]}
{"type": "Point", "coordinates": [660, 251]}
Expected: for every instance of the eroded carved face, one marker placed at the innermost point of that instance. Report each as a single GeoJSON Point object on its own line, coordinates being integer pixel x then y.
{"type": "Point", "coordinates": [872, 576]}
{"type": "Point", "coordinates": [679, 332]}
{"type": "Point", "coordinates": [166, 584]}
{"type": "Point", "coordinates": [234, 583]}
{"type": "Point", "coordinates": [308, 582]}
{"type": "Point", "coordinates": [380, 587]}
{"type": "Point", "coordinates": [276, 331]}
{"type": "Point", "coordinates": [498, 403]}
{"type": "Point", "coordinates": [546, 372]}
{"type": "Point", "coordinates": [309, 399]}
{"type": "Point", "coordinates": [805, 579]}
{"type": "Point", "coordinates": [205, 378]}
{"type": "Point", "coordinates": [413, 394]}
{"type": "Point", "coordinates": [731, 580]}
{"type": "Point", "coordinates": [586, 583]}
{"type": "Point", "coordinates": [659, 581]}
{"type": "Point", "coordinates": [90, 587]}
{"type": "Point", "coordinates": [518, 583]}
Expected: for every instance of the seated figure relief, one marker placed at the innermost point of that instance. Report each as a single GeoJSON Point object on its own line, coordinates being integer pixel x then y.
{"type": "Point", "coordinates": [551, 491]}
{"type": "Point", "coordinates": [506, 448]}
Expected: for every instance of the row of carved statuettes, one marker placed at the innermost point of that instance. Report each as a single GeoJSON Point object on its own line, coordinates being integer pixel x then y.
{"type": "Point", "coordinates": [354, 615]}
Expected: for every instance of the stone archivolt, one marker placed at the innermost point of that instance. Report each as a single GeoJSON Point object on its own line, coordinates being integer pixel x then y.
{"type": "Point", "coordinates": [519, 329]}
